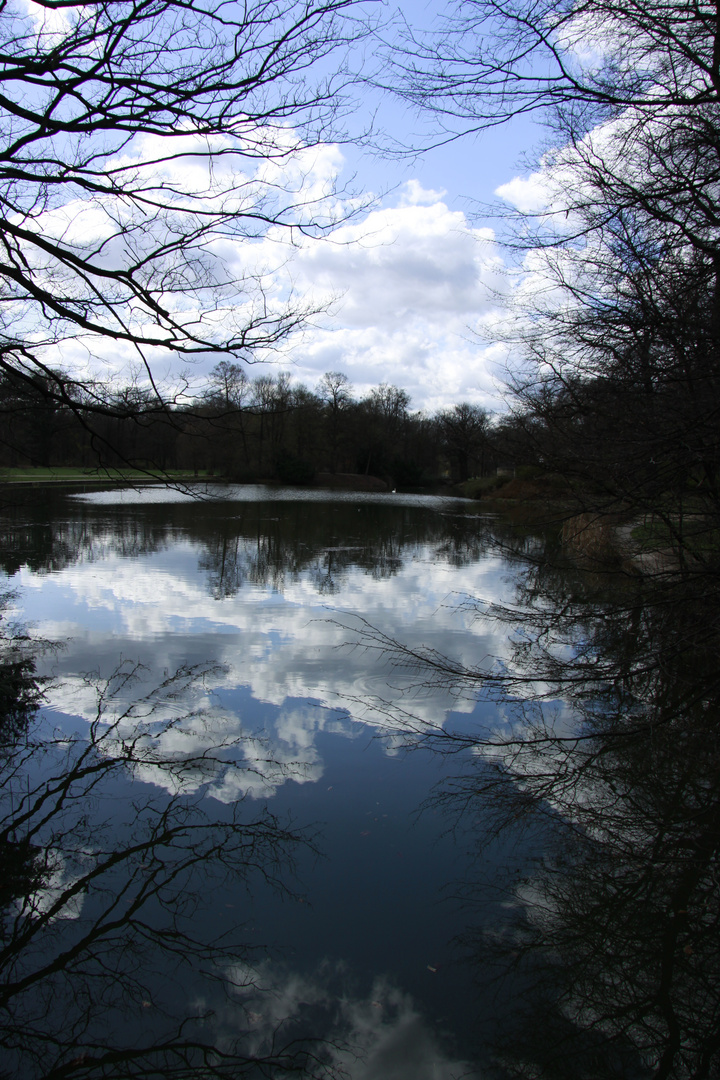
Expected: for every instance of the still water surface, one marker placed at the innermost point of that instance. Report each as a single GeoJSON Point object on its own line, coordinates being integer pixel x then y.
{"type": "Point", "coordinates": [228, 657]}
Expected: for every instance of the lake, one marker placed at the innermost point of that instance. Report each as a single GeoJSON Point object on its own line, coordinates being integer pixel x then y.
{"type": "Point", "coordinates": [346, 785]}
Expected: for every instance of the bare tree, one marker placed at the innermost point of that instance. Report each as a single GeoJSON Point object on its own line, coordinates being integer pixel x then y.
{"type": "Point", "coordinates": [464, 431]}
{"type": "Point", "coordinates": [229, 385]}
{"type": "Point", "coordinates": [615, 336]}
{"type": "Point", "coordinates": [386, 414]}
{"type": "Point", "coordinates": [335, 389]}
{"type": "Point", "coordinates": [587, 62]}
{"type": "Point", "coordinates": [390, 403]}
{"type": "Point", "coordinates": [138, 142]}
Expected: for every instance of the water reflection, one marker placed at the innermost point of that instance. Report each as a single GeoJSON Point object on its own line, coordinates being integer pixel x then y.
{"type": "Point", "coordinates": [608, 758]}
{"type": "Point", "coordinates": [378, 1036]}
{"type": "Point", "coordinates": [253, 587]}
{"type": "Point", "coordinates": [104, 952]}
{"type": "Point", "coordinates": [135, 816]}
{"type": "Point", "coordinates": [270, 537]}
{"type": "Point", "coordinates": [292, 651]}
{"type": "Point", "coordinates": [109, 963]}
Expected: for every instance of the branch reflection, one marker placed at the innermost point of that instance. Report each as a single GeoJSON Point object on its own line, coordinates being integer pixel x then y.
{"type": "Point", "coordinates": [607, 768]}
{"type": "Point", "coordinates": [109, 964]}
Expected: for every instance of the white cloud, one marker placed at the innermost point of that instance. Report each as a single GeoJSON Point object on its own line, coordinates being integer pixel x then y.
{"type": "Point", "coordinates": [405, 263]}
{"type": "Point", "coordinates": [529, 194]}
{"type": "Point", "coordinates": [381, 1036]}
{"type": "Point", "coordinates": [407, 287]}
{"type": "Point", "coordinates": [407, 284]}
{"type": "Point", "coordinates": [51, 24]}
{"type": "Point", "coordinates": [414, 194]}
{"type": "Point", "coordinates": [280, 641]}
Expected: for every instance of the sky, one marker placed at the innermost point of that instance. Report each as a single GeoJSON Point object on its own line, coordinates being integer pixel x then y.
{"type": "Point", "coordinates": [417, 286]}
{"type": "Point", "coordinates": [418, 282]}
{"type": "Point", "coordinates": [408, 287]}
{"type": "Point", "coordinates": [419, 291]}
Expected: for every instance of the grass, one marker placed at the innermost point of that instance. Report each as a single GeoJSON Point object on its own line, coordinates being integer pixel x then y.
{"type": "Point", "coordinates": [71, 474]}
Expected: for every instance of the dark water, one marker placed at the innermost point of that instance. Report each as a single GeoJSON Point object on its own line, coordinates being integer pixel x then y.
{"type": "Point", "coordinates": [294, 801]}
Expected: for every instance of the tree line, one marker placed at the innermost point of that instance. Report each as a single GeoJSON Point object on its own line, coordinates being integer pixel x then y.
{"type": "Point", "coordinates": [245, 429]}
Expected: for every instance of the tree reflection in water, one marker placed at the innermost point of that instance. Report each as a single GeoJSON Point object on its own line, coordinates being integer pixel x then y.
{"type": "Point", "coordinates": [102, 949]}
{"type": "Point", "coordinates": [606, 754]}
{"type": "Point", "coordinates": [609, 759]}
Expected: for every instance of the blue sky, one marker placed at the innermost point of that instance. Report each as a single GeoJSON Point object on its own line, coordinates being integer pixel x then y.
{"type": "Point", "coordinates": [406, 286]}
{"type": "Point", "coordinates": [416, 303]}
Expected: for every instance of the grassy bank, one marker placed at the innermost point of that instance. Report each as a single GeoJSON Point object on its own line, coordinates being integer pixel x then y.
{"type": "Point", "coordinates": [71, 475]}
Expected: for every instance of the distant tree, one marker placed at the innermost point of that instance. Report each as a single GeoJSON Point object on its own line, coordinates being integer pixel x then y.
{"type": "Point", "coordinates": [464, 430]}
{"type": "Point", "coordinates": [390, 403]}
{"type": "Point", "coordinates": [224, 420]}
{"type": "Point", "coordinates": [271, 401]}
{"type": "Point", "coordinates": [306, 422]}
{"type": "Point", "coordinates": [386, 413]}
{"type": "Point", "coordinates": [228, 385]}
{"type": "Point", "coordinates": [335, 389]}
